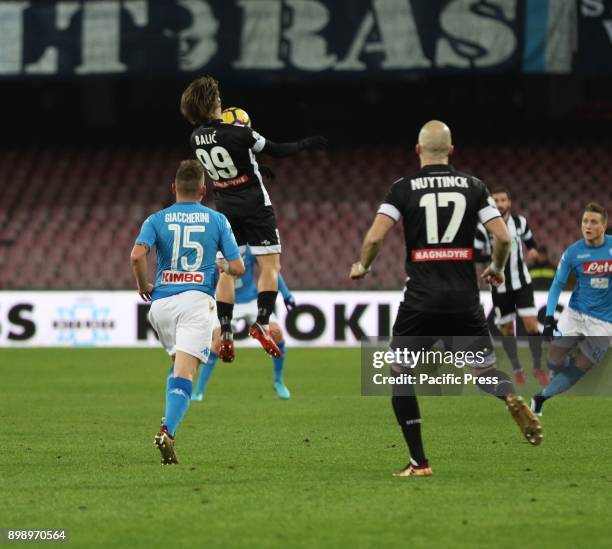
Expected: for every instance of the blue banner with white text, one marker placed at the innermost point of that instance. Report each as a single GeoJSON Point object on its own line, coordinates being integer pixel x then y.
{"type": "Point", "coordinates": [263, 38]}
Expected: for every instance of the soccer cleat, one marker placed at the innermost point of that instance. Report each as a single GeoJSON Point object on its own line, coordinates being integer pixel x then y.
{"type": "Point", "coordinates": [536, 405]}
{"type": "Point", "coordinates": [165, 443]}
{"type": "Point", "coordinates": [226, 350]}
{"type": "Point", "coordinates": [281, 390]}
{"type": "Point", "coordinates": [197, 396]}
{"type": "Point", "coordinates": [519, 377]}
{"type": "Point", "coordinates": [528, 423]}
{"type": "Point", "coordinates": [541, 376]}
{"type": "Point", "coordinates": [414, 471]}
{"type": "Point", "coordinates": [261, 334]}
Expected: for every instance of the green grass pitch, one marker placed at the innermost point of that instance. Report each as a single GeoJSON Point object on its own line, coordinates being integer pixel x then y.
{"type": "Point", "coordinates": [77, 452]}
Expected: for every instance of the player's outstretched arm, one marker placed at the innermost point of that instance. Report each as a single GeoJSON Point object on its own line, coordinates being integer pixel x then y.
{"type": "Point", "coordinates": [286, 293]}
{"type": "Point", "coordinates": [558, 283]}
{"type": "Point", "coordinates": [280, 150]}
{"type": "Point", "coordinates": [138, 260]}
{"type": "Point", "coordinates": [371, 245]}
{"type": "Point", "coordinates": [494, 273]}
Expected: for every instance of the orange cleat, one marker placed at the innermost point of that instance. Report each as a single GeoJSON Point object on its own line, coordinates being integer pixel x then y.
{"type": "Point", "coordinates": [519, 377]}
{"type": "Point", "coordinates": [226, 350]}
{"type": "Point", "coordinates": [261, 334]}
{"type": "Point", "coordinates": [414, 471]}
{"type": "Point", "coordinates": [541, 376]}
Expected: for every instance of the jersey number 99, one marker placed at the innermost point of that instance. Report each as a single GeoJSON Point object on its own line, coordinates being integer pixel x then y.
{"type": "Point", "coordinates": [218, 163]}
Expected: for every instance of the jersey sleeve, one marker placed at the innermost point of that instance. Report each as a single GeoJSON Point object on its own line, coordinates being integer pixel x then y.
{"type": "Point", "coordinates": [227, 242]}
{"type": "Point", "coordinates": [526, 234]}
{"type": "Point", "coordinates": [148, 234]}
{"type": "Point", "coordinates": [482, 245]}
{"type": "Point", "coordinates": [487, 209]}
{"type": "Point", "coordinates": [252, 139]}
{"type": "Point", "coordinates": [563, 271]}
{"type": "Point", "coordinates": [393, 204]}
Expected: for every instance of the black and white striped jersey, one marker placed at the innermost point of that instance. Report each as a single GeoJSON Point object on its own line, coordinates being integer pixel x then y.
{"type": "Point", "coordinates": [516, 272]}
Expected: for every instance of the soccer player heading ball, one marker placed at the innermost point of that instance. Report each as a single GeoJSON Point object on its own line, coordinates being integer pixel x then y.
{"type": "Point", "coordinates": [228, 155]}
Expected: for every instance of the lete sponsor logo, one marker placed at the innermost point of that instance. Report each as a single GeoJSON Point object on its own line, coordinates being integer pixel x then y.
{"type": "Point", "coordinates": [597, 267]}
{"type": "Point", "coordinates": [223, 184]}
{"type": "Point", "coordinates": [443, 254]}
{"type": "Point", "coordinates": [179, 277]}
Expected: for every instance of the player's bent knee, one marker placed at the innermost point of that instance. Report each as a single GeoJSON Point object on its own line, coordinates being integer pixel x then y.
{"type": "Point", "coordinates": [531, 325]}
{"type": "Point", "coordinates": [583, 362]}
{"type": "Point", "coordinates": [276, 332]}
{"type": "Point", "coordinates": [269, 262]}
{"type": "Point", "coordinates": [185, 365]}
{"type": "Point", "coordinates": [507, 329]}
{"type": "Point", "coordinates": [556, 355]}
{"type": "Point", "coordinates": [272, 270]}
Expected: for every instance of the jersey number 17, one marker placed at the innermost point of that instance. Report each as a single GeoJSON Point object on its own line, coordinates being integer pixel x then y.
{"type": "Point", "coordinates": [431, 202]}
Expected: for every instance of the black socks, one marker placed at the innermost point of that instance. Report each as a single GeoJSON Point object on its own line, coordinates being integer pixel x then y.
{"type": "Point", "coordinates": [408, 416]}
{"type": "Point", "coordinates": [225, 312]}
{"type": "Point", "coordinates": [509, 344]}
{"type": "Point", "coordinates": [535, 346]}
{"type": "Point", "coordinates": [265, 306]}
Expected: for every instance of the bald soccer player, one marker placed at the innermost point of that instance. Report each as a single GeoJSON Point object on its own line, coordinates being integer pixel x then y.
{"type": "Point", "coordinates": [440, 208]}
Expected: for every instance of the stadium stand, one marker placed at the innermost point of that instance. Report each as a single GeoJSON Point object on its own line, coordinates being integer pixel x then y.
{"type": "Point", "coordinates": [68, 216]}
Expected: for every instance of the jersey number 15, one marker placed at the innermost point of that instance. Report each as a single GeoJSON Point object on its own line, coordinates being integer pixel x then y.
{"type": "Point", "coordinates": [187, 242]}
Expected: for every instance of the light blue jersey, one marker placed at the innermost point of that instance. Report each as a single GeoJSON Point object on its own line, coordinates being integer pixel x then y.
{"type": "Point", "coordinates": [187, 237]}
{"type": "Point", "coordinates": [245, 287]}
{"type": "Point", "coordinates": [592, 267]}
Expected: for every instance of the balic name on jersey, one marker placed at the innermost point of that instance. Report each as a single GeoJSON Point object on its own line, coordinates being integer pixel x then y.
{"type": "Point", "coordinates": [206, 139]}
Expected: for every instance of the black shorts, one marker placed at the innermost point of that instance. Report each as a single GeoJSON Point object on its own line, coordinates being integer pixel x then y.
{"type": "Point", "coordinates": [508, 303]}
{"type": "Point", "coordinates": [257, 228]}
{"type": "Point", "coordinates": [464, 331]}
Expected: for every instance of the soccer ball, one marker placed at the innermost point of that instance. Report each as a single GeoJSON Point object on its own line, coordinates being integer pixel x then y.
{"type": "Point", "coordinates": [236, 116]}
